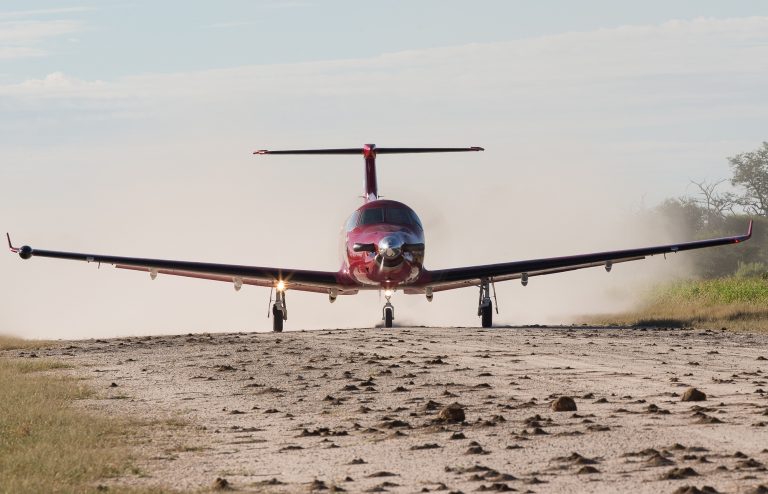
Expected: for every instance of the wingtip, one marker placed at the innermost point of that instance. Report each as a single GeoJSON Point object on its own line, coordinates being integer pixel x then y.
{"type": "Point", "coordinates": [10, 244]}
{"type": "Point", "coordinates": [749, 229]}
{"type": "Point", "coordinates": [261, 151]}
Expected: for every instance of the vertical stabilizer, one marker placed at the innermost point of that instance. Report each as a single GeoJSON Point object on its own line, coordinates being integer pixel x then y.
{"type": "Point", "coordinates": [371, 188]}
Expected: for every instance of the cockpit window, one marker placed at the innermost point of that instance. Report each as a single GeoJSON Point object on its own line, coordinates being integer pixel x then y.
{"type": "Point", "coordinates": [372, 216]}
{"type": "Point", "coordinates": [415, 219]}
{"type": "Point", "coordinates": [398, 216]}
{"type": "Point", "coordinates": [352, 221]}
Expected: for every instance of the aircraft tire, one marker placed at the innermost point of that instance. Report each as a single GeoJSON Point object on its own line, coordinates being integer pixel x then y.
{"type": "Point", "coordinates": [487, 316]}
{"type": "Point", "coordinates": [388, 316]}
{"type": "Point", "coordinates": [277, 320]}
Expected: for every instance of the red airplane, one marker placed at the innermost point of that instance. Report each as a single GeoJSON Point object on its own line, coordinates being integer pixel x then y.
{"type": "Point", "coordinates": [382, 248]}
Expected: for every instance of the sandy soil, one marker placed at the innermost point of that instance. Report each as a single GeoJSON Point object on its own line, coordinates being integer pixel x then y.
{"type": "Point", "coordinates": [358, 409]}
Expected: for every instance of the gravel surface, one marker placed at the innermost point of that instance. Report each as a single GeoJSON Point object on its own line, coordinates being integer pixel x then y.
{"type": "Point", "coordinates": [367, 410]}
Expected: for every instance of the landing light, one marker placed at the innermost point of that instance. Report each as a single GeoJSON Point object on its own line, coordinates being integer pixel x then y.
{"type": "Point", "coordinates": [387, 293]}
{"type": "Point", "coordinates": [280, 286]}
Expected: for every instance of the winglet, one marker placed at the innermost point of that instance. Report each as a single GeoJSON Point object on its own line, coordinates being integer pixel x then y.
{"type": "Point", "coordinates": [747, 236]}
{"type": "Point", "coordinates": [13, 249]}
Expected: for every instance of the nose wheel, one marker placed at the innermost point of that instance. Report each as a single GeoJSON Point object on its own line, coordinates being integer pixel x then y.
{"type": "Point", "coordinates": [388, 312]}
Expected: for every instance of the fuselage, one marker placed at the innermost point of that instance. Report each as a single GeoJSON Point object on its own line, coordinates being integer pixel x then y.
{"type": "Point", "coordinates": [382, 245]}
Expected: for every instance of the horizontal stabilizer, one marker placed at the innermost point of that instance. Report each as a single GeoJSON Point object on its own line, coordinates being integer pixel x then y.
{"type": "Point", "coordinates": [363, 150]}
{"type": "Point", "coordinates": [369, 152]}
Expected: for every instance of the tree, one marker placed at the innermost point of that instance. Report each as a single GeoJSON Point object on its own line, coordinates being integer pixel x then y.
{"type": "Point", "coordinates": [750, 171]}
{"type": "Point", "coordinates": [714, 205]}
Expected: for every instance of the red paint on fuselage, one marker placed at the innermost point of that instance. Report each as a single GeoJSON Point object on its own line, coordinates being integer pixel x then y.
{"type": "Point", "coordinates": [397, 235]}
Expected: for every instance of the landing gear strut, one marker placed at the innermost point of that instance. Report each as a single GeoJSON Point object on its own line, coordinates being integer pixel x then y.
{"type": "Point", "coordinates": [279, 312]}
{"type": "Point", "coordinates": [388, 313]}
{"type": "Point", "coordinates": [485, 306]}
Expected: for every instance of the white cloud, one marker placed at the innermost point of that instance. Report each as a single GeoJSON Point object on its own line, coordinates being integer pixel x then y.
{"type": "Point", "coordinates": [35, 31]}
{"type": "Point", "coordinates": [58, 82]}
{"type": "Point", "coordinates": [231, 24]}
{"type": "Point", "coordinates": [674, 49]}
{"type": "Point", "coordinates": [39, 12]}
{"type": "Point", "coordinates": [22, 37]}
{"type": "Point", "coordinates": [9, 52]}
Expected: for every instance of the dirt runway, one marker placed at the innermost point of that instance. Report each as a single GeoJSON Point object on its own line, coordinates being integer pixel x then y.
{"type": "Point", "coordinates": [359, 410]}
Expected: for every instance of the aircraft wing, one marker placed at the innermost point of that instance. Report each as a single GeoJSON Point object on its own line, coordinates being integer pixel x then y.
{"type": "Point", "coordinates": [294, 279]}
{"type": "Point", "coordinates": [447, 279]}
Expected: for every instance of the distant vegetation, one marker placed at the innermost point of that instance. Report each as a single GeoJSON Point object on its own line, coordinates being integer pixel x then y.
{"type": "Point", "coordinates": [710, 213]}
{"type": "Point", "coordinates": [729, 286]}
{"type": "Point", "coordinates": [732, 302]}
{"type": "Point", "coordinates": [14, 343]}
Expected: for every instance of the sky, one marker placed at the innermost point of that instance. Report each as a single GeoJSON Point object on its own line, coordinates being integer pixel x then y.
{"type": "Point", "coordinates": [126, 128]}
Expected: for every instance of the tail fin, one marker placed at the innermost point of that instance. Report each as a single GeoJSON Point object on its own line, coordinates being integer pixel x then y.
{"type": "Point", "coordinates": [369, 152]}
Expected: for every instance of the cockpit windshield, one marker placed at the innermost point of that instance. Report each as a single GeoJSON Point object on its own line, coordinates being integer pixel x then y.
{"type": "Point", "coordinates": [372, 216]}
{"type": "Point", "coordinates": [394, 215]}
{"type": "Point", "coordinates": [398, 216]}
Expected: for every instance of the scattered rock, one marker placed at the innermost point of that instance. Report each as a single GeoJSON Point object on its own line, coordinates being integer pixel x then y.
{"type": "Point", "coordinates": [395, 424]}
{"type": "Point", "coordinates": [658, 460]}
{"type": "Point", "coordinates": [430, 406]}
{"type": "Point", "coordinates": [496, 487]}
{"type": "Point", "coordinates": [476, 449]}
{"type": "Point", "coordinates": [587, 469]}
{"type": "Point", "coordinates": [693, 394]}
{"type": "Point", "coordinates": [425, 446]}
{"type": "Point", "coordinates": [564, 404]}
{"type": "Point", "coordinates": [318, 485]}
{"type": "Point", "coordinates": [749, 463]}
{"type": "Point", "coordinates": [692, 489]}
{"type": "Point", "coordinates": [221, 484]}
{"type": "Point", "coordinates": [680, 473]}
{"type": "Point", "coordinates": [272, 481]}
{"type": "Point", "coordinates": [453, 413]}
{"type": "Point", "coordinates": [707, 419]}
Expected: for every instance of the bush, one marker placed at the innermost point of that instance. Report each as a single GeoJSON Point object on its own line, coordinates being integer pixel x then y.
{"type": "Point", "coordinates": [752, 270]}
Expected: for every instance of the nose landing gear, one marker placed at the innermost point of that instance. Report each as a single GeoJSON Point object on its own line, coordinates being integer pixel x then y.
{"type": "Point", "coordinates": [388, 312]}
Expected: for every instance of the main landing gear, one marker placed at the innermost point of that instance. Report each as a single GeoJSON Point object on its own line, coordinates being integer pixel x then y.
{"type": "Point", "coordinates": [388, 312]}
{"type": "Point", "coordinates": [485, 306]}
{"type": "Point", "coordinates": [279, 310]}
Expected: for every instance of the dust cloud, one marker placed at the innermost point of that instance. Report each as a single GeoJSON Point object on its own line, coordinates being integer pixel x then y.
{"type": "Point", "coordinates": [159, 166]}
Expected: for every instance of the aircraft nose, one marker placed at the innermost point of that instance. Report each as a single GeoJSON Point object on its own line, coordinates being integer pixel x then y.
{"type": "Point", "coordinates": [391, 246]}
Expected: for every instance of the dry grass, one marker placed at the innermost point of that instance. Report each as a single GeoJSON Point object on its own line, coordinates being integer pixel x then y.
{"type": "Point", "coordinates": [739, 304]}
{"type": "Point", "coordinates": [46, 444]}
{"type": "Point", "coordinates": [8, 342]}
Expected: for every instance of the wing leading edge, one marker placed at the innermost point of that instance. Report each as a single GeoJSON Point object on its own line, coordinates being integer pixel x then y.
{"type": "Point", "coordinates": [323, 281]}
{"type": "Point", "coordinates": [295, 279]}
{"type": "Point", "coordinates": [447, 279]}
